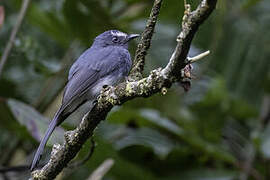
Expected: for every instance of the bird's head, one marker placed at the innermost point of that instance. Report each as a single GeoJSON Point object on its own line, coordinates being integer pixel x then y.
{"type": "Point", "coordinates": [114, 38]}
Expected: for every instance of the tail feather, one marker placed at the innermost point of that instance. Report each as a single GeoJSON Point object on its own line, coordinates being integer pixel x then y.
{"type": "Point", "coordinates": [61, 115]}
{"type": "Point", "coordinates": [43, 142]}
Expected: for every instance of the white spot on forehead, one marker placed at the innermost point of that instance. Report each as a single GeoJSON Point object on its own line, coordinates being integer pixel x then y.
{"type": "Point", "coordinates": [118, 33]}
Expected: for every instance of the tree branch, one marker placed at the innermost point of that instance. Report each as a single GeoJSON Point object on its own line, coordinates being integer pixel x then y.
{"type": "Point", "coordinates": [2, 16]}
{"type": "Point", "coordinates": [158, 80]}
{"type": "Point", "coordinates": [145, 42]}
{"type": "Point", "coordinates": [89, 155]}
{"type": "Point", "coordinates": [12, 37]}
{"type": "Point", "coordinates": [101, 170]}
{"type": "Point", "coordinates": [190, 24]}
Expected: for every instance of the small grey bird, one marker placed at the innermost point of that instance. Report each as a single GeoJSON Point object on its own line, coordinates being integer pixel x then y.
{"type": "Point", "coordinates": [106, 62]}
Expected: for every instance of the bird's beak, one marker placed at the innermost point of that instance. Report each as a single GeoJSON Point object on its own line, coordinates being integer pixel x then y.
{"type": "Point", "coordinates": [132, 36]}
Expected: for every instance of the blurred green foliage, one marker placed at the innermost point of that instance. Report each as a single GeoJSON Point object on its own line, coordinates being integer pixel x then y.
{"type": "Point", "coordinates": [218, 130]}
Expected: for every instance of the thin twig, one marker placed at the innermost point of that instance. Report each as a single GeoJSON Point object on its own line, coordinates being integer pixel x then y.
{"type": "Point", "coordinates": [145, 42]}
{"type": "Point", "coordinates": [190, 24]}
{"type": "Point", "coordinates": [198, 57]}
{"type": "Point", "coordinates": [12, 37]}
{"type": "Point", "coordinates": [89, 155]}
{"type": "Point", "coordinates": [101, 170]}
{"type": "Point", "coordinates": [2, 16]}
{"type": "Point", "coordinates": [157, 80]}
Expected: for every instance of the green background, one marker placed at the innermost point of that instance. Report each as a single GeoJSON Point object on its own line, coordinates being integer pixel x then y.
{"type": "Point", "coordinates": [217, 130]}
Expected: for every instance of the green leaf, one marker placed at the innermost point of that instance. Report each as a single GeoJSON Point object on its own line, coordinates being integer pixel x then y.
{"type": "Point", "coordinates": [50, 22]}
{"type": "Point", "coordinates": [152, 119]}
{"type": "Point", "coordinates": [124, 137]}
{"type": "Point", "coordinates": [155, 117]}
{"type": "Point", "coordinates": [122, 168]}
{"type": "Point", "coordinates": [25, 120]}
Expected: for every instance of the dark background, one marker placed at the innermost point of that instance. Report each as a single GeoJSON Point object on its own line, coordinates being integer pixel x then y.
{"type": "Point", "coordinates": [217, 130]}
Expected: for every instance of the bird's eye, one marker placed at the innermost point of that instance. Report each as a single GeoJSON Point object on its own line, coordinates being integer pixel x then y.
{"type": "Point", "coordinates": [115, 39]}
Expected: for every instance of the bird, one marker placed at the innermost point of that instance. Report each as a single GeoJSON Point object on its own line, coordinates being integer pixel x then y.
{"type": "Point", "coordinates": [106, 63]}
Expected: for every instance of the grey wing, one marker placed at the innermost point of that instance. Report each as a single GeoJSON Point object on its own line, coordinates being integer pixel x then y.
{"type": "Point", "coordinates": [76, 65]}
{"type": "Point", "coordinates": [80, 82]}
{"type": "Point", "coordinates": [74, 68]}
{"type": "Point", "coordinates": [83, 77]}
{"type": "Point", "coordinates": [81, 60]}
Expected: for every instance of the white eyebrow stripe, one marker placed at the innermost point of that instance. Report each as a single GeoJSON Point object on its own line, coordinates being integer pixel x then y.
{"type": "Point", "coordinates": [118, 33]}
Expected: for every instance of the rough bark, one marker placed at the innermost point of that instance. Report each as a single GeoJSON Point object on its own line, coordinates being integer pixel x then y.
{"type": "Point", "coordinates": [158, 81]}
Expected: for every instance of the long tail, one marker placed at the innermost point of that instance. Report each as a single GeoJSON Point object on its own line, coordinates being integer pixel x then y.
{"type": "Point", "coordinates": [43, 142]}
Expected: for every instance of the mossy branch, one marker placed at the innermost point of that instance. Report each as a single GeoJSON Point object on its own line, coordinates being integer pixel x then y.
{"type": "Point", "coordinates": [145, 42]}
{"type": "Point", "coordinates": [158, 81]}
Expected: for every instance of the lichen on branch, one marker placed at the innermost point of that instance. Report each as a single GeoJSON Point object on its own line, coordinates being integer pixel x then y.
{"type": "Point", "coordinates": [159, 80]}
{"type": "Point", "coordinates": [145, 42]}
